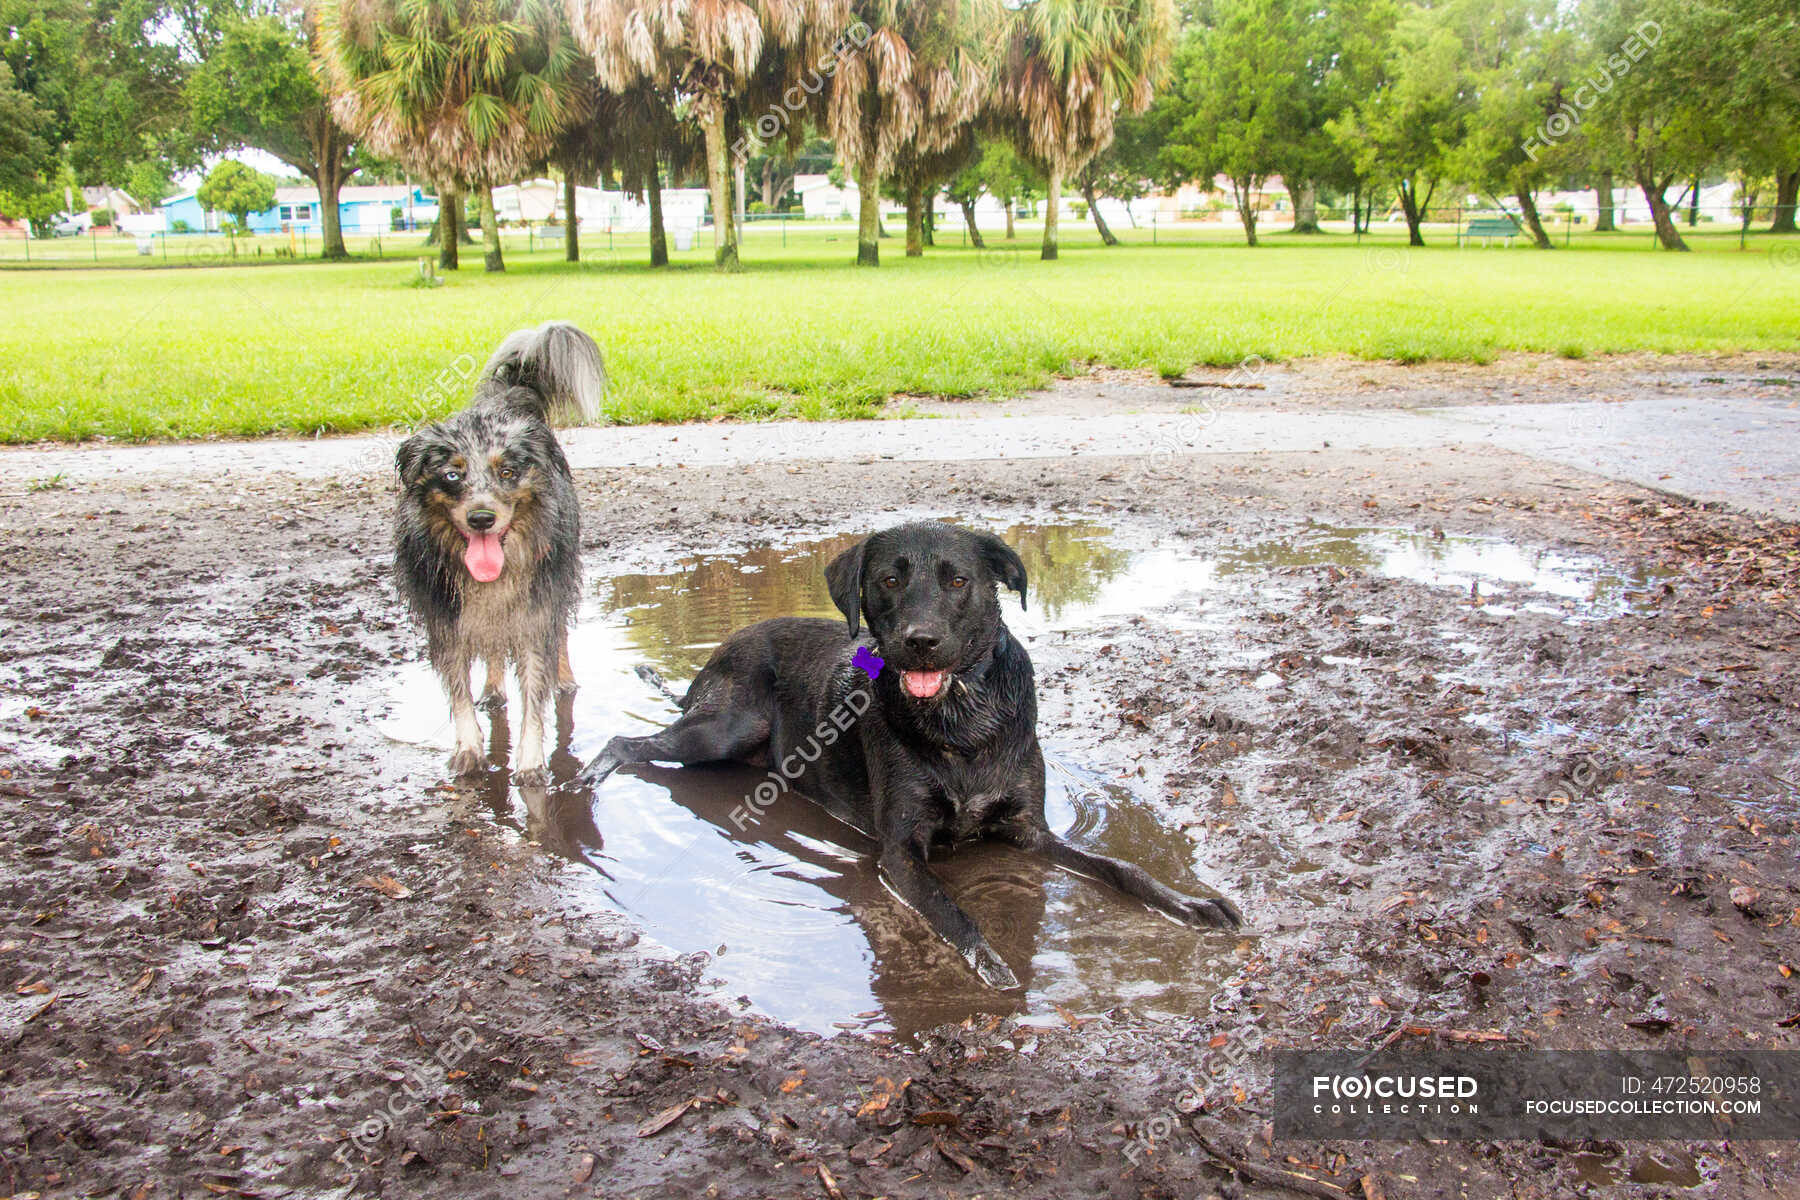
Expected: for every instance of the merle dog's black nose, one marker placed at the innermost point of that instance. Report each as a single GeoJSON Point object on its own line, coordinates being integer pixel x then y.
{"type": "Point", "coordinates": [481, 520]}
{"type": "Point", "coordinates": [921, 643]}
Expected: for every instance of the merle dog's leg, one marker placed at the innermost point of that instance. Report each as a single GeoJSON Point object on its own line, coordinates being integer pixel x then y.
{"type": "Point", "coordinates": [493, 695]}
{"type": "Point", "coordinates": [903, 862]}
{"type": "Point", "coordinates": [713, 735]}
{"type": "Point", "coordinates": [453, 665]}
{"type": "Point", "coordinates": [536, 686]}
{"type": "Point", "coordinates": [565, 674]}
{"type": "Point", "coordinates": [1126, 877]}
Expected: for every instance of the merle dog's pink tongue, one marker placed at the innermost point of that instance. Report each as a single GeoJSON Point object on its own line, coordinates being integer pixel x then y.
{"type": "Point", "coordinates": [484, 557]}
{"type": "Point", "coordinates": [923, 684]}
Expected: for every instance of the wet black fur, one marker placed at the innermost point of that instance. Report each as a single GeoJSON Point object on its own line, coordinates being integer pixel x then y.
{"type": "Point", "coordinates": [913, 774]}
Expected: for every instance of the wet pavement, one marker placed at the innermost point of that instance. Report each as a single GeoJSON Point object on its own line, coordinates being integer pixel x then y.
{"type": "Point", "coordinates": [1738, 445]}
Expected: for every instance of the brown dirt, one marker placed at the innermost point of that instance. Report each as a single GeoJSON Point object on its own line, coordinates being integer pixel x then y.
{"type": "Point", "coordinates": [234, 923]}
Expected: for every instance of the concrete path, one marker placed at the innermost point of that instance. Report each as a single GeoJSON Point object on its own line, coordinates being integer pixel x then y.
{"type": "Point", "coordinates": [1743, 452]}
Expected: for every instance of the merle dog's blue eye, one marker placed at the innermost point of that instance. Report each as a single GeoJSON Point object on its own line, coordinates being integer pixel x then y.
{"type": "Point", "coordinates": [452, 476]}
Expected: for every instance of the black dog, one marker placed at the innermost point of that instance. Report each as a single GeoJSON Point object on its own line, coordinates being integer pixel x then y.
{"type": "Point", "coordinates": [944, 745]}
{"type": "Point", "coordinates": [487, 536]}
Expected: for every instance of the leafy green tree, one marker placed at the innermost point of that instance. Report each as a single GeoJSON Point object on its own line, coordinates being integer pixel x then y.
{"type": "Point", "coordinates": [1240, 110]}
{"type": "Point", "coordinates": [231, 187]}
{"type": "Point", "coordinates": [1124, 170]}
{"type": "Point", "coordinates": [1519, 64]}
{"type": "Point", "coordinates": [26, 157]}
{"type": "Point", "coordinates": [256, 88]}
{"type": "Point", "coordinates": [1660, 115]}
{"type": "Point", "coordinates": [1405, 127]}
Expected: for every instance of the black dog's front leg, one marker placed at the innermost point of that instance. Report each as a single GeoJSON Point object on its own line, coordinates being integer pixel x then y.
{"type": "Point", "coordinates": [1129, 878]}
{"type": "Point", "coordinates": [903, 863]}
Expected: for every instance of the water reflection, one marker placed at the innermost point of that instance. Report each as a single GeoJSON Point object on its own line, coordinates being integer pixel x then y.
{"type": "Point", "coordinates": [789, 904]}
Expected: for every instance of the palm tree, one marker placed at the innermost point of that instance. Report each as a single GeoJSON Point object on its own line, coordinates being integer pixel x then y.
{"type": "Point", "coordinates": [466, 92]}
{"type": "Point", "coordinates": [710, 52]}
{"type": "Point", "coordinates": [915, 79]}
{"type": "Point", "coordinates": [1070, 67]}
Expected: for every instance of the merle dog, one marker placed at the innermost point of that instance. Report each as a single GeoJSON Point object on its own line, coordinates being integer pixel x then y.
{"type": "Point", "coordinates": [944, 744]}
{"type": "Point", "coordinates": [487, 534]}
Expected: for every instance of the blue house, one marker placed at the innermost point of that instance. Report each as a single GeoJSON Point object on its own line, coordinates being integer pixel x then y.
{"type": "Point", "coordinates": [297, 210]}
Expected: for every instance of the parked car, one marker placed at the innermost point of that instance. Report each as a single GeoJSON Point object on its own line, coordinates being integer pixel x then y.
{"type": "Point", "coordinates": [71, 226]}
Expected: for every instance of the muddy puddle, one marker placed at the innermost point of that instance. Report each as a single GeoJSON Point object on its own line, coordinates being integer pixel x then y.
{"type": "Point", "coordinates": [788, 906]}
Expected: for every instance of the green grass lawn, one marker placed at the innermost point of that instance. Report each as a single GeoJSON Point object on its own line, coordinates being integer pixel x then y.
{"type": "Point", "coordinates": [314, 348]}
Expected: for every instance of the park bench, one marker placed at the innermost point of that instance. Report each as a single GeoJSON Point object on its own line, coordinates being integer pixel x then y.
{"type": "Point", "coordinates": [1488, 228]}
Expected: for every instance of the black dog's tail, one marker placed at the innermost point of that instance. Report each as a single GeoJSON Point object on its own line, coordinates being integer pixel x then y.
{"type": "Point", "coordinates": [556, 363]}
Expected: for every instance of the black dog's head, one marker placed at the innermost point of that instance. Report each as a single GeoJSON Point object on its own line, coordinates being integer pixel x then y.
{"type": "Point", "coordinates": [474, 482]}
{"type": "Point", "coordinates": [928, 593]}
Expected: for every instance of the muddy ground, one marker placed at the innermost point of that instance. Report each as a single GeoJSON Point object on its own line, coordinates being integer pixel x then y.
{"type": "Point", "coordinates": [240, 932]}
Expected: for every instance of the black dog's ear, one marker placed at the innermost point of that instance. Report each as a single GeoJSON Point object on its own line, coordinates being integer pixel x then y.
{"type": "Point", "coordinates": [409, 459]}
{"type": "Point", "coordinates": [1004, 562]}
{"type": "Point", "coordinates": [843, 578]}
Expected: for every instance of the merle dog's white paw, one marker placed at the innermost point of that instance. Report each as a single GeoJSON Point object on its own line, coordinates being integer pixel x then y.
{"type": "Point", "coordinates": [467, 762]}
{"type": "Point", "coordinates": [491, 701]}
{"type": "Point", "coordinates": [991, 967]}
{"type": "Point", "coordinates": [1208, 913]}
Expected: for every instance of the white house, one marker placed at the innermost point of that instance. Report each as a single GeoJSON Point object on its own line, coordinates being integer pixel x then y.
{"type": "Point", "coordinates": [540, 201]}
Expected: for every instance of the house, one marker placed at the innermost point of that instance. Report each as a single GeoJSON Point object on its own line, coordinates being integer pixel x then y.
{"type": "Point", "coordinates": [364, 210]}
{"type": "Point", "coordinates": [540, 201]}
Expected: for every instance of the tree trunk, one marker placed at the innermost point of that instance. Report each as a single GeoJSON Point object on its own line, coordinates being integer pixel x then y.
{"type": "Point", "coordinates": [930, 229]}
{"type": "Point", "coordinates": [1053, 202]}
{"type": "Point", "coordinates": [1603, 196]}
{"type": "Point", "coordinates": [449, 228]}
{"type": "Point", "coordinates": [1528, 207]}
{"type": "Point", "coordinates": [1787, 196]}
{"type": "Point", "coordinates": [1305, 199]}
{"type": "Point", "coordinates": [1242, 193]}
{"type": "Point", "coordinates": [1409, 204]}
{"type": "Point", "coordinates": [1694, 204]}
{"type": "Point", "coordinates": [1356, 208]}
{"type": "Point", "coordinates": [659, 243]}
{"type": "Point", "coordinates": [718, 179]}
{"type": "Point", "coordinates": [1009, 219]}
{"type": "Point", "coordinates": [968, 207]}
{"type": "Point", "coordinates": [1087, 194]}
{"type": "Point", "coordinates": [490, 229]}
{"type": "Point", "coordinates": [915, 219]}
{"type": "Point", "coordinates": [571, 223]}
{"type": "Point", "coordinates": [868, 226]}
{"type": "Point", "coordinates": [1666, 233]}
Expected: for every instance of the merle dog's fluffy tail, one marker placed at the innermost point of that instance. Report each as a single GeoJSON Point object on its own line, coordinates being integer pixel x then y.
{"type": "Point", "coordinates": [558, 365]}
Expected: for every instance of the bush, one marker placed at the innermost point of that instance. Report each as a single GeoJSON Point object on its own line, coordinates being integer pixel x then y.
{"type": "Point", "coordinates": [102, 217]}
{"type": "Point", "coordinates": [181, 226]}
{"type": "Point", "coordinates": [756, 206]}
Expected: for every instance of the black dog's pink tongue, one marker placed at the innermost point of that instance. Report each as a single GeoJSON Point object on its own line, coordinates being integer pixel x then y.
{"type": "Point", "coordinates": [484, 557]}
{"type": "Point", "coordinates": [923, 684]}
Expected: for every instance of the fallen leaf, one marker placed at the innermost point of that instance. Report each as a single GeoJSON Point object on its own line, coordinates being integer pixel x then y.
{"type": "Point", "coordinates": [388, 886]}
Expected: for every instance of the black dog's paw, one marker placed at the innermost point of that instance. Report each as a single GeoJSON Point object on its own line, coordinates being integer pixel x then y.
{"type": "Point", "coordinates": [598, 768]}
{"type": "Point", "coordinates": [468, 762]}
{"type": "Point", "coordinates": [1209, 914]}
{"type": "Point", "coordinates": [991, 967]}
